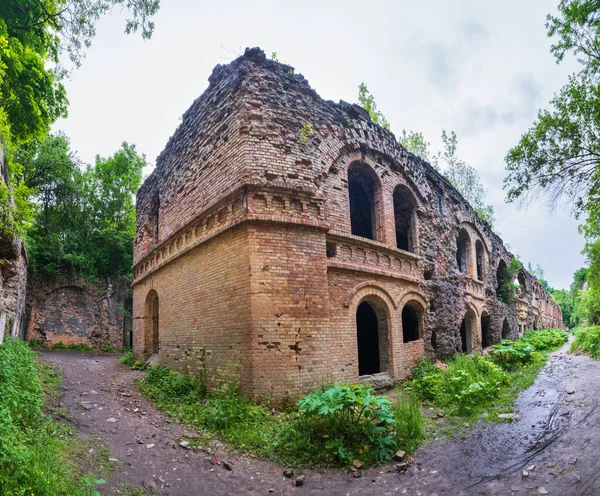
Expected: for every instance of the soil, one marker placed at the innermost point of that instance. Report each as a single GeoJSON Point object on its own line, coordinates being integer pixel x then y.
{"type": "Point", "coordinates": [553, 448]}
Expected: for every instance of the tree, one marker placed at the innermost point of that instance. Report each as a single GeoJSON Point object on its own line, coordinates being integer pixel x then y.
{"type": "Point", "coordinates": [85, 219]}
{"type": "Point", "coordinates": [415, 143]}
{"type": "Point", "coordinates": [463, 177]}
{"type": "Point", "coordinates": [367, 101]}
{"type": "Point", "coordinates": [559, 155]}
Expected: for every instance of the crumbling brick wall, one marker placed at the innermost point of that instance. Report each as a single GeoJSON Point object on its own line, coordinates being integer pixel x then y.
{"type": "Point", "coordinates": [244, 230]}
{"type": "Point", "coordinates": [75, 311]}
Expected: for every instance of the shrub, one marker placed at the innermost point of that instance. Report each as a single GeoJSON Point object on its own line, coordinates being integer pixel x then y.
{"type": "Point", "coordinates": [139, 365]}
{"type": "Point", "coordinates": [587, 340]}
{"type": "Point", "coordinates": [469, 383]}
{"type": "Point", "coordinates": [127, 359]}
{"type": "Point", "coordinates": [546, 339]}
{"type": "Point", "coordinates": [177, 387]}
{"type": "Point", "coordinates": [509, 354]}
{"type": "Point", "coordinates": [355, 422]}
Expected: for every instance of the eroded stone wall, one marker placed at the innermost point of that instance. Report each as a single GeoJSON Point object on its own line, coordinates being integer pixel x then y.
{"type": "Point", "coordinates": [260, 154]}
{"type": "Point", "coordinates": [13, 277]}
{"type": "Point", "coordinates": [75, 311]}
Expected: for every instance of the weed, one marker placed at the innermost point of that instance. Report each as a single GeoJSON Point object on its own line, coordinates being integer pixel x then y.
{"type": "Point", "coordinates": [127, 359]}
{"type": "Point", "coordinates": [139, 365]}
{"type": "Point", "coordinates": [410, 423]}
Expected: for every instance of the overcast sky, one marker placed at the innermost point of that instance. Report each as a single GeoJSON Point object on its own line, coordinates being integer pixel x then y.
{"type": "Point", "coordinates": [482, 69]}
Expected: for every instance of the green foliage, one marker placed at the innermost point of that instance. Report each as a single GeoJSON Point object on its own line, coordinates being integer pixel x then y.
{"type": "Point", "coordinates": [127, 359]}
{"type": "Point", "coordinates": [90, 483]}
{"type": "Point", "coordinates": [469, 384]}
{"type": "Point", "coordinates": [72, 347]}
{"type": "Point", "coordinates": [506, 276]}
{"type": "Point", "coordinates": [587, 340]}
{"type": "Point", "coordinates": [464, 177]}
{"type": "Point", "coordinates": [357, 423]}
{"type": "Point", "coordinates": [31, 446]}
{"type": "Point", "coordinates": [415, 143]}
{"type": "Point", "coordinates": [333, 425]}
{"type": "Point", "coordinates": [367, 101]}
{"type": "Point", "coordinates": [306, 132]}
{"type": "Point", "coordinates": [85, 221]}
{"type": "Point", "coordinates": [139, 365]}
{"type": "Point", "coordinates": [512, 354]}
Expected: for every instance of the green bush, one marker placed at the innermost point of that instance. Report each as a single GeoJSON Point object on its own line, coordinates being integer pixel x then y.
{"type": "Point", "coordinates": [31, 445]}
{"type": "Point", "coordinates": [587, 340]}
{"type": "Point", "coordinates": [354, 422]}
{"type": "Point", "coordinates": [127, 359]}
{"type": "Point", "coordinates": [469, 383]}
{"type": "Point", "coordinates": [511, 354]}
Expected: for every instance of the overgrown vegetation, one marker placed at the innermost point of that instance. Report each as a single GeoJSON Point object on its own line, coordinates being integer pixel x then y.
{"type": "Point", "coordinates": [472, 384]}
{"type": "Point", "coordinates": [334, 425]}
{"type": "Point", "coordinates": [38, 345]}
{"type": "Point", "coordinates": [339, 423]}
{"type": "Point", "coordinates": [31, 445]}
{"type": "Point", "coordinates": [587, 340]}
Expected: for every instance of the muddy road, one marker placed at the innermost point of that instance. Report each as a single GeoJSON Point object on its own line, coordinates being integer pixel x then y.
{"type": "Point", "coordinates": [553, 448]}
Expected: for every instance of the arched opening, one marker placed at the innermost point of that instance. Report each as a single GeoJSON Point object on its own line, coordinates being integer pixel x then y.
{"type": "Point", "coordinates": [504, 288]}
{"type": "Point", "coordinates": [404, 209]}
{"type": "Point", "coordinates": [434, 340]}
{"type": "Point", "coordinates": [372, 338]}
{"type": "Point", "coordinates": [505, 329]}
{"type": "Point", "coordinates": [486, 337]}
{"type": "Point", "coordinates": [410, 324]}
{"type": "Point", "coordinates": [521, 281]}
{"type": "Point", "coordinates": [152, 340]}
{"type": "Point", "coordinates": [462, 251]}
{"type": "Point", "coordinates": [362, 190]}
{"type": "Point", "coordinates": [479, 259]}
{"type": "Point", "coordinates": [466, 332]}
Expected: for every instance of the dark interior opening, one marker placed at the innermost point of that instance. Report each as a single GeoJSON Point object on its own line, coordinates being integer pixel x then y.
{"type": "Point", "coordinates": [485, 331]}
{"type": "Point", "coordinates": [434, 340]}
{"type": "Point", "coordinates": [463, 335]}
{"type": "Point", "coordinates": [361, 189]}
{"type": "Point", "coordinates": [368, 339]}
{"type": "Point", "coordinates": [504, 287]}
{"type": "Point", "coordinates": [505, 329]}
{"type": "Point", "coordinates": [479, 257]}
{"type": "Point", "coordinates": [410, 324]}
{"type": "Point", "coordinates": [462, 251]}
{"type": "Point", "coordinates": [521, 279]}
{"type": "Point", "coordinates": [403, 214]}
{"type": "Point", "coordinates": [155, 326]}
{"type": "Point", "coordinates": [330, 249]}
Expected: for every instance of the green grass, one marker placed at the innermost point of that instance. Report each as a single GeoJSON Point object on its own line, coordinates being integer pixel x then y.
{"type": "Point", "coordinates": [587, 340]}
{"type": "Point", "coordinates": [39, 455]}
{"type": "Point", "coordinates": [38, 345]}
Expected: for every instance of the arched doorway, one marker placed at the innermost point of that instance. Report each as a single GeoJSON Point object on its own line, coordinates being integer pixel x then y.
{"type": "Point", "coordinates": [403, 215]}
{"type": "Point", "coordinates": [505, 329]}
{"type": "Point", "coordinates": [466, 332]}
{"type": "Point", "coordinates": [362, 191]}
{"type": "Point", "coordinates": [152, 341]}
{"type": "Point", "coordinates": [486, 337]}
{"type": "Point", "coordinates": [410, 324]}
{"type": "Point", "coordinates": [504, 287]}
{"type": "Point", "coordinates": [372, 338]}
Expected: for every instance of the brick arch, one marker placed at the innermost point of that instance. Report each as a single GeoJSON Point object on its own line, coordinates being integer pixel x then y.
{"type": "Point", "coordinates": [358, 293]}
{"type": "Point", "coordinates": [409, 295]}
{"type": "Point", "coordinates": [151, 306]}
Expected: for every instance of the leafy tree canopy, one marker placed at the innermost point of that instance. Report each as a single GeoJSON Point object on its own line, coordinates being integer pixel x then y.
{"type": "Point", "coordinates": [85, 217]}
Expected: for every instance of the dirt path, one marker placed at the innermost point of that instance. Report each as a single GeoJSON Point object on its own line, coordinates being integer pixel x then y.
{"type": "Point", "coordinates": [558, 433]}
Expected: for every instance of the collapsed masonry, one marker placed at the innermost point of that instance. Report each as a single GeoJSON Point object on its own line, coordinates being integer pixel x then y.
{"type": "Point", "coordinates": [285, 241]}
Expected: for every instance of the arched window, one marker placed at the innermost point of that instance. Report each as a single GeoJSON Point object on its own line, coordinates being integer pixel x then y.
{"type": "Point", "coordinates": [504, 288]}
{"type": "Point", "coordinates": [486, 335]}
{"type": "Point", "coordinates": [362, 190]}
{"type": "Point", "coordinates": [152, 337]}
{"type": "Point", "coordinates": [410, 324]}
{"type": "Point", "coordinates": [466, 332]}
{"type": "Point", "coordinates": [372, 337]}
{"type": "Point", "coordinates": [479, 258]}
{"type": "Point", "coordinates": [522, 281]}
{"type": "Point", "coordinates": [462, 251]}
{"type": "Point", "coordinates": [404, 210]}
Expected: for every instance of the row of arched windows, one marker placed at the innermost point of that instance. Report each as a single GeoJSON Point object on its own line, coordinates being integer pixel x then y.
{"type": "Point", "coordinates": [463, 254]}
{"type": "Point", "coordinates": [365, 195]}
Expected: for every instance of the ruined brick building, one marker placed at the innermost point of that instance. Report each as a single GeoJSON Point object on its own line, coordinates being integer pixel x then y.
{"type": "Point", "coordinates": [288, 241]}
